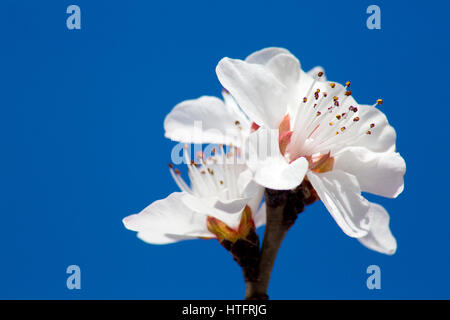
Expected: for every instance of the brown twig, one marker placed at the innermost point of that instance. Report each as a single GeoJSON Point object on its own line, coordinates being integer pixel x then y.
{"type": "Point", "coordinates": [282, 208]}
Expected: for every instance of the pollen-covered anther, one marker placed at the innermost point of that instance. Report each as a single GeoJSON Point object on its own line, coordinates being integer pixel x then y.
{"type": "Point", "coordinates": [335, 98]}
{"type": "Point", "coordinates": [368, 132]}
{"type": "Point", "coordinates": [332, 84]}
{"type": "Point", "coordinates": [342, 129]}
{"type": "Point", "coordinates": [305, 99]}
{"type": "Point", "coordinates": [380, 101]}
{"type": "Point", "coordinates": [318, 113]}
{"type": "Point", "coordinates": [347, 84]}
{"type": "Point", "coordinates": [331, 123]}
{"type": "Point", "coordinates": [348, 93]}
{"type": "Point", "coordinates": [320, 74]}
{"type": "Point", "coordinates": [177, 171]}
{"type": "Point", "coordinates": [372, 125]}
{"type": "Point", "coordinates": [356, 119]}
{"type": "Point", "coordinates": [338, 116]}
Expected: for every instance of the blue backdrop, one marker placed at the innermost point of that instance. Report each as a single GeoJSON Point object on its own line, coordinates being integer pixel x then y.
{"type": "Point", "coordinates": [82, 145]}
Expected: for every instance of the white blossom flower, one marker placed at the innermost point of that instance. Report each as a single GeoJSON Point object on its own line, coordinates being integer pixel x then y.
{"type": "Point", "coordinates": [316, 129]}
{"type": "Point", "coordinates": [210, 120]}
{"type": "Point", "coordinates": [221, 202]}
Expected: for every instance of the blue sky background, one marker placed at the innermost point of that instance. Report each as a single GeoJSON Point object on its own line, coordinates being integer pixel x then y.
{"type": "Point", "coordinates": [82, 143]}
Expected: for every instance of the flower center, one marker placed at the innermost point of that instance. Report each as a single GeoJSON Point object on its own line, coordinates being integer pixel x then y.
{"type": "Point", "coordinates": [326, 121]}
{"type": "Point", "coordinates": [215, 176]}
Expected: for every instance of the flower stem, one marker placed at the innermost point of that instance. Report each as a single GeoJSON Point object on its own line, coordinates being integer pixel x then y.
{"type": "Point", "coordinates": [282, 208]}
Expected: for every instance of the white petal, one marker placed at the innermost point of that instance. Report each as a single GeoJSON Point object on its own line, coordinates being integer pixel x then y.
{"type": "Point", "coordinates": [277, 174]}
{"type": "Point", "coordinates": [341, 195]}
{"type": "Point", "coordinates": [168, 220]}
{"type": "Point", "coordinates": [265, 55]}
{"type": "Point", "coordinates": [203, 120]}
{"type": "Point", "coordinates": [229, 211]}
{"type": "Point", "coordinates": [269, 167]}
{"type": "Point", "coordinates": [260, 216]}
{"type": "Point", "coordinates": [382, 137]}
{"type": "Point", "coordinates": [283, 65]}
{"type": "Point", "coordinates": [255, 202]}
{"type": "Point", "coordinates": [286, 68]}
{"type": "Point", "coordinates": [380, 173]}
{"type": "Point", "coordinates": [257, 91]}
{"type": "Point", "coordinates": [158, 238]}
{"type": "Point", "coordinates": [379, 237]}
